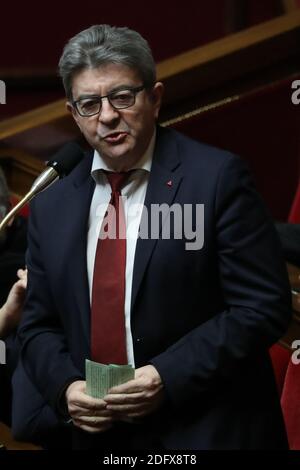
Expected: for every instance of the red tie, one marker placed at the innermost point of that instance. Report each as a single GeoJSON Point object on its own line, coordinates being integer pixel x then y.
{"type": "Point", "coordinates": [108, 336]}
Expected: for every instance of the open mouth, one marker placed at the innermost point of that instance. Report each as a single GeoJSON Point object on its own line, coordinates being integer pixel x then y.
{"type": "Point", "coordinates": [115, 137]}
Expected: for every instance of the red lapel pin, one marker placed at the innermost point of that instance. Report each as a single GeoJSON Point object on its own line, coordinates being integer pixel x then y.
{"type": "Point", "coordinates": [169, 183]}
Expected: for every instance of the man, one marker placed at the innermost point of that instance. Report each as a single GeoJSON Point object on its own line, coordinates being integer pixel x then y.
{"type": "Point", "coordinates": [12, 257]}
{"type": "Point", "coordinates": [197, 320]}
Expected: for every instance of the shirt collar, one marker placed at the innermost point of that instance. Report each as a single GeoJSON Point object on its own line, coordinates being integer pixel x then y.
{"type": "Point", "coordinates": [144, 163]}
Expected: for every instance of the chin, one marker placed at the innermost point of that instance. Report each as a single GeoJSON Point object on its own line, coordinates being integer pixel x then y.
{"type": "Point", "coordinates": [119, 153]}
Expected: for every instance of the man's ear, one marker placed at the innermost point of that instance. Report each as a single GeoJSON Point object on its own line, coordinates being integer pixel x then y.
{"type": "Point", "coordinates": [157, 94]}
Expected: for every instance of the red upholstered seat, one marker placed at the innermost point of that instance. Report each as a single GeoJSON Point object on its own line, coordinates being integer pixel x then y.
{"type": "Point", "coordinates": [280, 357]}
{"type": "Point", "coordinates": [288, 374]}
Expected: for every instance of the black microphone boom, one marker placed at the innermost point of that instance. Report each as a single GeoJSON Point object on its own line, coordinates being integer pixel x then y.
{"type": "Point", "coordinates": [59, 166]}
{"type": "Point", "coordinates": [66, 159]}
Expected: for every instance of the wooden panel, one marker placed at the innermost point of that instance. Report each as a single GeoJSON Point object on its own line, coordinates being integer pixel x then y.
{"type": "Point", "coordinates": [199, 69]}
{"type": "Point", "coordinates": [261, 125]}
{"type": "Point", "coordinates": [32, 119]}
{"type": "Point", "coordinates": [289, 5]}
{"type": "Point", "coordinates": [203, 76]}
{"type": "Point", "coordinates": [20, 169]}
{"type": "Point", "coordinates": [234, 57]}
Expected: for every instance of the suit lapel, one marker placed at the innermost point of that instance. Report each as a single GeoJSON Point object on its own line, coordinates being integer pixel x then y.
{"type": "Point", "coordinates": [83, 188]}
{"type": "Point", "coordinates": [164, 181]}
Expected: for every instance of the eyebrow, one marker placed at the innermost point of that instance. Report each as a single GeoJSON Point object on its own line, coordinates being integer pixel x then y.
{"type": "Point", "coordinates": [113, 90]}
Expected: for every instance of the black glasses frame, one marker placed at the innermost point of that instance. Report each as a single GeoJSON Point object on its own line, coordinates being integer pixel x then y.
{"type": "Point", "coordinates": [135, 90]}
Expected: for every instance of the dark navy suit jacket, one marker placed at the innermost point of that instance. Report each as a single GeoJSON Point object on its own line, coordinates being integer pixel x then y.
{"type": "Point", "coordinates": [205, 319]}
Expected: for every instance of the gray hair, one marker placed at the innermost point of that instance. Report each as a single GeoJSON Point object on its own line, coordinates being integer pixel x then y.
{"type": "Point", "coordinates": [104, 44]}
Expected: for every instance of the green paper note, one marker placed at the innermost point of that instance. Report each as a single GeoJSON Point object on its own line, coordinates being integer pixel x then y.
{"type": "Point", "coordinates": [101, 377]}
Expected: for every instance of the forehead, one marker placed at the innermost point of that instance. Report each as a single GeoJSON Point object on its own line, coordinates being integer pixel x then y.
{"type": "Point", "coordinates": [102, 79]}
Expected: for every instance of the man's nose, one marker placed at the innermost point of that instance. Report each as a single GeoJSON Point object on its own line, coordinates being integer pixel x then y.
{"type": "Point", "coordinates": [107, 113]}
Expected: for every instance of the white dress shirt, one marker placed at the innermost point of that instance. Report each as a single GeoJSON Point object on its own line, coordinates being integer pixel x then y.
{"type": "Point", "coordinates": [133, 195]}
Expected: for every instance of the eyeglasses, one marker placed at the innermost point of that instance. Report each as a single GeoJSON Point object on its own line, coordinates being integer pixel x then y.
{"type": "Point", "coordinates": [120, 99]}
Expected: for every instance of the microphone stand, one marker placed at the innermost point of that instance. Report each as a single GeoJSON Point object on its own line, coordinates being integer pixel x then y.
{"type": "Point", "coordinates": [42, 181]}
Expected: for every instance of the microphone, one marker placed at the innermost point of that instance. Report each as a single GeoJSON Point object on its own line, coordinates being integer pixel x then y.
{"type": "Point", "coordinates": [59, 166]}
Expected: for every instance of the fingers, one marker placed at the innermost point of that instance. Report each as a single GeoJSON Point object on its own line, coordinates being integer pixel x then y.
{"type": "Point", "coordinates": [129, 409]}
{"type": "Point", "coordinates": [91, 420]}
{"type": "Point", "coordinates": [94, 421]}
{"type": "Point", "coordinates": [105, 417]}
{"type": "Point", "coordinates": [84, 419]}
{"type": "Point", "coordinates": [137, 397]}
{"type": "Point", "coordinates": [93, 426]}
{"type": "Point", "coordinates": [20, 286]}
{"type": "Point", "coordinates": [124, 398]}
{"type": "Point", "coordinates": [22, 273]}
{"type": "Point", "coordinates": [132, 412]}
{"type": "Point", "coordinates": [92, 430]}
{"type": "Point", "coordinates": [133, 399]}
{"type": "Point", "coordinates": [146, 378]}
{"type": "Point", "coordinates": [76, 397]}
{"type": "Point", "coordinates": [87, 413]}
{"type": "Point", "coordinates": [133, 405]}
{"type": "Point", "coordinates": [76, 410]}
{"type": "Point", "coordinates": [81, 400]}
{"type": "Point", "coordinates": [142, 396]}
{"type": "Point", "coordinates": [132, 386]}
{"type": "Point", "coordinates": [135, 386]}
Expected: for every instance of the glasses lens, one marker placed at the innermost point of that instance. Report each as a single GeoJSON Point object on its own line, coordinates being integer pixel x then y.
{"type": "Point", "coordinates": [122, 99]}
{"type": "Point", "coordinates": [119, 99]}
{"type": "Point", "coordinates": [88, 106]}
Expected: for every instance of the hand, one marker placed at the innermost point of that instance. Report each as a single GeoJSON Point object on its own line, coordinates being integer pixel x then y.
{"type": "Point", "coordinates": [138, 397]}
{"type": "Point", "coordinates": [10, 313]}
{"type": "Point", "coordinates": [87, 413]}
